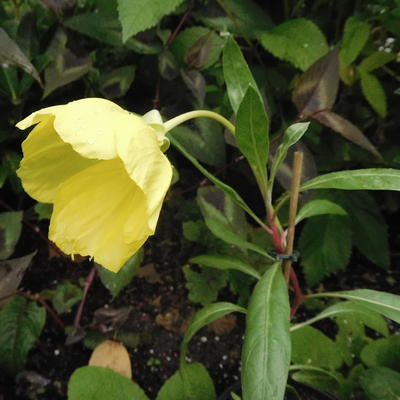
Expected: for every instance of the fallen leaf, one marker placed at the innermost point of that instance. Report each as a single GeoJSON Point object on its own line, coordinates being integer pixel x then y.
{"type": "Point", "coordinates": [149, 273]}
{"type": "Point", "coordinates": [113, 355]}
{"type": "Point", "coordinates": [223, 325]}
{"type": "Point", "coordinates": [170, 320]}
{"type": "Point", "coordinates": [11, 274]}
{"type": "Point", "coordinates": [108, 319]}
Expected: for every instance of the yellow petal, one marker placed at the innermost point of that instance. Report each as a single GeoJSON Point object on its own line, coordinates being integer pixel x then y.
{"type": "Point", "coordinates": [48, 161]}
{"type": "Point", "coordinates": [148, 167]}
{"type": "Point", "coordinates": [91, 211]}
{"type": "Point", "coordinates": [92, 125]}
{"type": "Point", "coordinates": [37, 116]}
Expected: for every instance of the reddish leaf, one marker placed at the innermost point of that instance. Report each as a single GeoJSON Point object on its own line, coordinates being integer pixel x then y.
{"type": "Point", "coordinates": [346, 129]}
{"type": "Point", "coordinates": [317, 87]}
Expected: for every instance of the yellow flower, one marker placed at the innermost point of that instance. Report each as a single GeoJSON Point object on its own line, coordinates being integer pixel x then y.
{"type": "Point", "coordinates": [103, 169]}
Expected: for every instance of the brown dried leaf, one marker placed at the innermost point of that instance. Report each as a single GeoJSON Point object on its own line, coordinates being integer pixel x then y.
{"type": "Point", "coordinates": [223, 325]}
{"type": "Point", "coordinates": [108, 319]}
{"type": "Point", "coordinates": [198, 53]}
{"type": "Point", "coordinates": [170, 320]}
{"type": "Point", "coordinates": [345, 128]}
{"type": "Point", "coordinates": [149, 273]}
{"type": "Point", "coordinates": [317, 87]}
{"type": "Point", "coordinates": [110, 354]}
{"type": "Point", "coordinates": [11, 274]}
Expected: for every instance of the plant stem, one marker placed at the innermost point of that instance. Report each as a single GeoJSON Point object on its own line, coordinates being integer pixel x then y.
{"type": "Point", "coordinates": [86, 286]}
{"type": "Point", "coordinates": [172, 123]}
{"type": "Point", "coordinates": [294, 200]}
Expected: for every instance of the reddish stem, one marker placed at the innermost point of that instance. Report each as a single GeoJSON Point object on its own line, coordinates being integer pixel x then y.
{"type": "Point", "coordinates": [86, 286]}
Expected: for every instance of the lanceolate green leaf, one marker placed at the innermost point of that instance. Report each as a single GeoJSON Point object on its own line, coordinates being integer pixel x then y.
{"type": "Point", "coordinates": [266, 349]}
{"type": "Point", "coordinates": [204, 317]}
{"type": "Point", "coordinates": [227, 189]}
{"type": "Point", "coordinates": [225, 262]}
{"type": "Point", "coordinates": [252, 135]}
{"type": "Point", "coordinates": [368, 317]}
{"type": "Point", "coordinates": [137, 15]}
{"type": "Point", "coordinates": [358, 179]}
{"type": "Point", "coordinates": [383, 303]}
{"type": "Point", "coordinates": [291, 136]}
{"type": "Point", "coordinates": [373, 92]}
{"type": "Point", "coordinates": [319, 207]}
{"type": "Point", "coordinates": [236, 73]}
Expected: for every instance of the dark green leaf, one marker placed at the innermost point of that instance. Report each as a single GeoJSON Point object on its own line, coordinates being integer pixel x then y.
{"type": "Point", "coordinates": [316, 377]}
{"type": "Point", "coordinates": [355, 35]}
{"type": "Point", "coordinates": [65, 67]}
{"type": "Point", "coordinates": [298, 41]}
{"type": "Point", "coordinates": [252, 135]}
{"type": "Point", "coordinates": [115, 282]}
{"type": "Point", "coordinates": [136, 16]}
{"type": "Point", "coordinates": [191, 382]}
{"type": "Point", "coordinates": [248, 17]}
{"type": "Point", "coordinates": [358, 179]}
{"type": "Point", "coordinates": [107, 29]}
{"type": "Point", "coordinates": [43, 210]}
{"type": "Point", "coordinates": [99, 383]}
{"type": "Point", "coordinates": [266, 349]}
{"type": "Point", "coordinates": [10, 231]}
{"type": "Point", "coordinates": [325, 246]}
{"type": "Point", "coordinates": [197, 47]}
{"type": "Point", "coordinates": [204, 317]}
{"type": "Point", "coordinates": [381, 383]}
{"type": "Point", "coordinates": [317, 87]}
{"type": "Point", "coordinates": [196, 83]}
{"type": "Point", "coordinates": [21, 322]}
{"type": "Point", "coordinates": [225, 263]}
{"type": "Point", "coordinates": [236, 73]}
{"type": "Point", "coordinates": [345, 128]}
{"type": "Point", "coordinates": [373, 92]}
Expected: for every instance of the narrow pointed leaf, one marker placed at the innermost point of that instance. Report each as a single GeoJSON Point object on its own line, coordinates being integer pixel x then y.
{"type": "Point", "coordinates": [11, 54]}
{"type": "Point", "coordinates": [376, 60]}
{"type": "Point", "coordinates": [225, 263]}
{"type": "Point", "coordinates": [317, 87]}
{"type": "Point", "coordinates": [292, 135]}
{"type": "Point", "coordinates": [236, 73]}
{"type": "Point", "coordinates": [204, 317]}
{"type": "Point", "coordinates": [345, 128]}
{"type": "Point", "coordinates": [266, 349]}
{"type": "Point", "coordinates": [319, 207]}
{"type": "Point", "coordinates": [373, 92]}
{"type": "Point", "coordinates": [252, 135]}
{"type": "Point", "coordinates": [383, 303]}
{"type": "Point", "coordinates": [358, 179]}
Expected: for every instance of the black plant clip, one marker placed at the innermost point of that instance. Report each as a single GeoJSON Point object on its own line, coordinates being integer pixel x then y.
{"type": "Point", "coordinates": [278, 256]}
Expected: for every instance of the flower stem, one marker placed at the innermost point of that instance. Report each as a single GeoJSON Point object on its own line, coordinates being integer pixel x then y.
{"type": "Point", "coordinates": [172, 123]}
